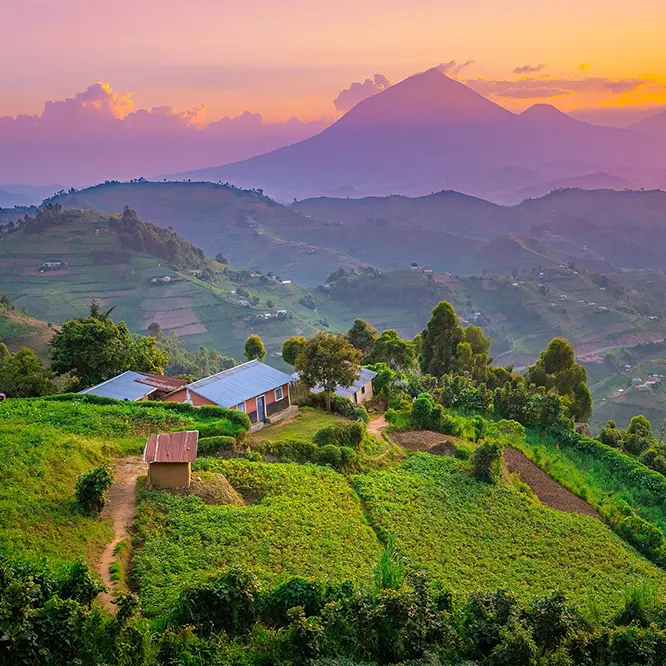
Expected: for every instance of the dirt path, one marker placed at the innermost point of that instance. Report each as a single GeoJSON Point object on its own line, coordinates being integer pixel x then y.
{"type": "Point", "coordinates": [120, 509]}
{"type": "Point", "coordinates": [377, 426]}
{"type": "Point", "coordinates": [550, 492]}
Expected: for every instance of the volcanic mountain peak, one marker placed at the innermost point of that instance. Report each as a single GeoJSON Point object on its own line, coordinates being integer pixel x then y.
{"type": "Point", "coordinates": [547, 113]}
{"type": "Point", "coordinates": [429, 97]}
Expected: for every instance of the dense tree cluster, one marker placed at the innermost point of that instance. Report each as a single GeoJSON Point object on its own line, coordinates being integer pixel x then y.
{"type": "Point", "coordinates": [48, 619]}
{"type": "Point", "coordinates": [95, 348]}
{"type": "Point", "coordinates": [137, 235]}
{"type": "Point", "coordinates": [23, 375]}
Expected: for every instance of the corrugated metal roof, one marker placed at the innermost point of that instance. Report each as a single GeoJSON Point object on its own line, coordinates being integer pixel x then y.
{"type": "Point", "coordinates": [231, 387]}
{"type": "Point", "coordinates": [134, 386]}
{"type": "Point", "coordinates": [174, 447]}
{"type": "Point", "coordinates": [348, 391]}
{"type": "Point", "coordinates": [161, 382]}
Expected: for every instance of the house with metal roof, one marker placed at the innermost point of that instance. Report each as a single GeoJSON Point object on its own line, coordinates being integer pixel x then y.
{"type": "Point", "coordinates": [359, 392]}
{"type": "Point", "coordinates": [169, 458]}
{"type": "Point", "coordinates": [135, 386]}
{"type": "Point", "coordinates": [257, 389]}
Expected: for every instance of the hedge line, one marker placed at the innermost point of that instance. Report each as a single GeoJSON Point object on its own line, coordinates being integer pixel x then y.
{"type": "Point", "coordinates": [210, 411]}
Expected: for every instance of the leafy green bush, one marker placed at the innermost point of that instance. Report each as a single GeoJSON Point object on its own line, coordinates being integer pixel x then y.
{"type": "Point", "coordinates": [329, 455]}
{"type": "Point", "coordinates": [291, 450]}
{"type": "Point", "coordinates": [341, 434]}
{"type": "Point", "coordinates": [227, 603]}
{"type": "Point", "coordinates": [210, 446]}
{"type": "Point", "coordinates": [488, 462]}
{"type": "Point", "coordinates": [91, 490]}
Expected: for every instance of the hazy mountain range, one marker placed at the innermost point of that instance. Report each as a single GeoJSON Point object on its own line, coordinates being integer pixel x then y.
{"type": "Point", "coordinates": [431, 132]}
{"type": "Point", "coordinates": [448, 231]}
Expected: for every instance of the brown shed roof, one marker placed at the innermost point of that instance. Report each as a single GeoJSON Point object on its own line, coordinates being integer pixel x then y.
{"type": "Point", "coordinates": [175, 447]}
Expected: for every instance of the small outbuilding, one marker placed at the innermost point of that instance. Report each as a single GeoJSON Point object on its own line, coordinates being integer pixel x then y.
{"type": "Point", "coordinates": [170, 457]}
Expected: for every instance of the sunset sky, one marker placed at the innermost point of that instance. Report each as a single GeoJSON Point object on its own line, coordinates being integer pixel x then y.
{"type": "Point", "coordinates": [293, 57]}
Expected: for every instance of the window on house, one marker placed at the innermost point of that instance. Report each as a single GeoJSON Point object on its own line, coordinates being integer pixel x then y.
{"type": "Point", "coordinates": [279, 393]}
{"type": "Point", "coordinates": [363, 389]}
{"type": "Point", "coordinates": [240, 407]}
{"type": "Point", "coordinates": [355, 398]}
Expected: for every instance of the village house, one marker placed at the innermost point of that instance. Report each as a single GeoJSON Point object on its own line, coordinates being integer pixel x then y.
{"type": "Point", "coordinates": [135, 386]}
{"type": "Point", "coordinates": [169, 458]}
{"type": "Point", "coordinates": [257, 389]}
{"type": "Point", "coordinates": [359, 392]}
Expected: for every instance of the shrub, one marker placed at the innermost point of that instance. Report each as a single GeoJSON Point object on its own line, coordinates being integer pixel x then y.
{"type": "Point", "coordinates": [91, 489]}
{"type": "Point", "coordinates": [359, 414]}
{"type": "Point", "coordinates": [79, 584]}
{"type": "Point", "coordinates": [487, 462]}
{"type": "Point", "coordinates": [227, 603]}
{"type": "Point", "coordinates": [341, 434]}
{"type": "Point", "coordinates": [216, 429]}
{"type": "Point", "coordinates": [291, 450]}
{"type": "Point", "coordinates": [309, 595]}
{"type": "Point", "coordinates": [209, 446]}
{"type": "Point", "coordinates": [232, 415]}
{"type": "Point", "coordinates": [329, 455]}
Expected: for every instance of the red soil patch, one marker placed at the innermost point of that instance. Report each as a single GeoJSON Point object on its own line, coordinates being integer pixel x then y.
{"type": "Point", "coordinates": [548, 491]}
{"type": "Point", "coordinates": [424, 440]}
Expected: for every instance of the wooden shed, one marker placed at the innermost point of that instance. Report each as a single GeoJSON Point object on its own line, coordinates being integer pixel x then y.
{"type": "Point", "coordinates": [170, 457]}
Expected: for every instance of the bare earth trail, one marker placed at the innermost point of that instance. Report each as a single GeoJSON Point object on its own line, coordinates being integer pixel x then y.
{"type": "Point", "coordinates": [120, 508]}
{"type": "Point", "coordinates": [377, 426]}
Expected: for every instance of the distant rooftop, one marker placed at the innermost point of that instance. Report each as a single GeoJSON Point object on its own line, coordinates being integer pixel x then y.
{"type": "Point", "coordinates": [132, 386]}
{"type": "Point", "coordinates": [248, 380]}
{"type": "Point", "coordinates": [348, 391]}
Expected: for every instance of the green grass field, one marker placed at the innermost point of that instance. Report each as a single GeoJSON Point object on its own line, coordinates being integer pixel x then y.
{"type": "Point", "coordinates": [44, 446]}
{"type": "Point", "coordinates": [471, 536]}
{"type": "Point", "coordinates": [300, 520]}
{"type": "Point", "coordinates": [303, 426]}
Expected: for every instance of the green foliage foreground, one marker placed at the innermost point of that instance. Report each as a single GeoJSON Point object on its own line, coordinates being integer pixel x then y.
{"type": "Point", "coordinates": [46, 444]}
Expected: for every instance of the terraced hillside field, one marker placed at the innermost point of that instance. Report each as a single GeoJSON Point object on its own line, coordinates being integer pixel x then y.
{"type": "Point", "coordinates": [98, 265]}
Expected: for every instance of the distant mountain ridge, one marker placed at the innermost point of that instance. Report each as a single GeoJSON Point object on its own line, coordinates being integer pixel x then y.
{"type": "Point", "coordinates": [448, 231]}
{"type": "Point", "coordinates": [430, 132]}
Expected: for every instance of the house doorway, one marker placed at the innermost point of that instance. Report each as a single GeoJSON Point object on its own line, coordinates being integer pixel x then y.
{"type": "Point", "coordinates": [261, 409]}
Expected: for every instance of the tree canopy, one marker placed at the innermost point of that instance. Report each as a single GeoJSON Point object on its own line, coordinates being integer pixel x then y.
{"type": "Point", "coordinates": [362, 336]}
{"type": "Point", "coordinates": [557, 370]}
{"type": "Point", "coordinates": [391, 349]}
{"type": "Point", "coordinates": [292, 347]}
{"type": "Point", "coordinates": [328, 361]}
{"type": "Point", "coordinates": [254, 349]}
{"type": "Point", "coordinates": [95, 348]}
{"type": "Point", "coordinates": [23, 375]}
{"type": "Point", "coordinates": [439, 341]}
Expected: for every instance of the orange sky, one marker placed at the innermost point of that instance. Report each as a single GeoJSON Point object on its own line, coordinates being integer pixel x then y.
{"type": "Point", "coordinates": [292, 57]}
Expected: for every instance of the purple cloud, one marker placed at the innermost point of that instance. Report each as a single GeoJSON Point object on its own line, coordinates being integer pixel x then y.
{"type": "Point", "coordinates": [357, 92]}
{"type": "Point", "coordinates": [530, 69]}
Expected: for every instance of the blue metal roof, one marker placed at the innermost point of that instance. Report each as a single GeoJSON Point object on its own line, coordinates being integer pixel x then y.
{"type": "Point", "coordinates": [231, 387]}
{"type": "Point", "coordinates": [348, 391]}
{"type": "Point", "coordinates": [122, 387]}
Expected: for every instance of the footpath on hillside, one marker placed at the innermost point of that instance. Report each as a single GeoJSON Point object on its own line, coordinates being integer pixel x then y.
{"type": "Point", "coordinates": [376, 426]}
{"type": "Point", "coordinates": [120, 508]}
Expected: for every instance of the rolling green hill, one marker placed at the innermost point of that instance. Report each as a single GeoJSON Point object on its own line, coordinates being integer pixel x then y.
{"type": "Point", "coordinates": [250, 229]}
{"type": "Point", "coordinates": [102, 262]}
